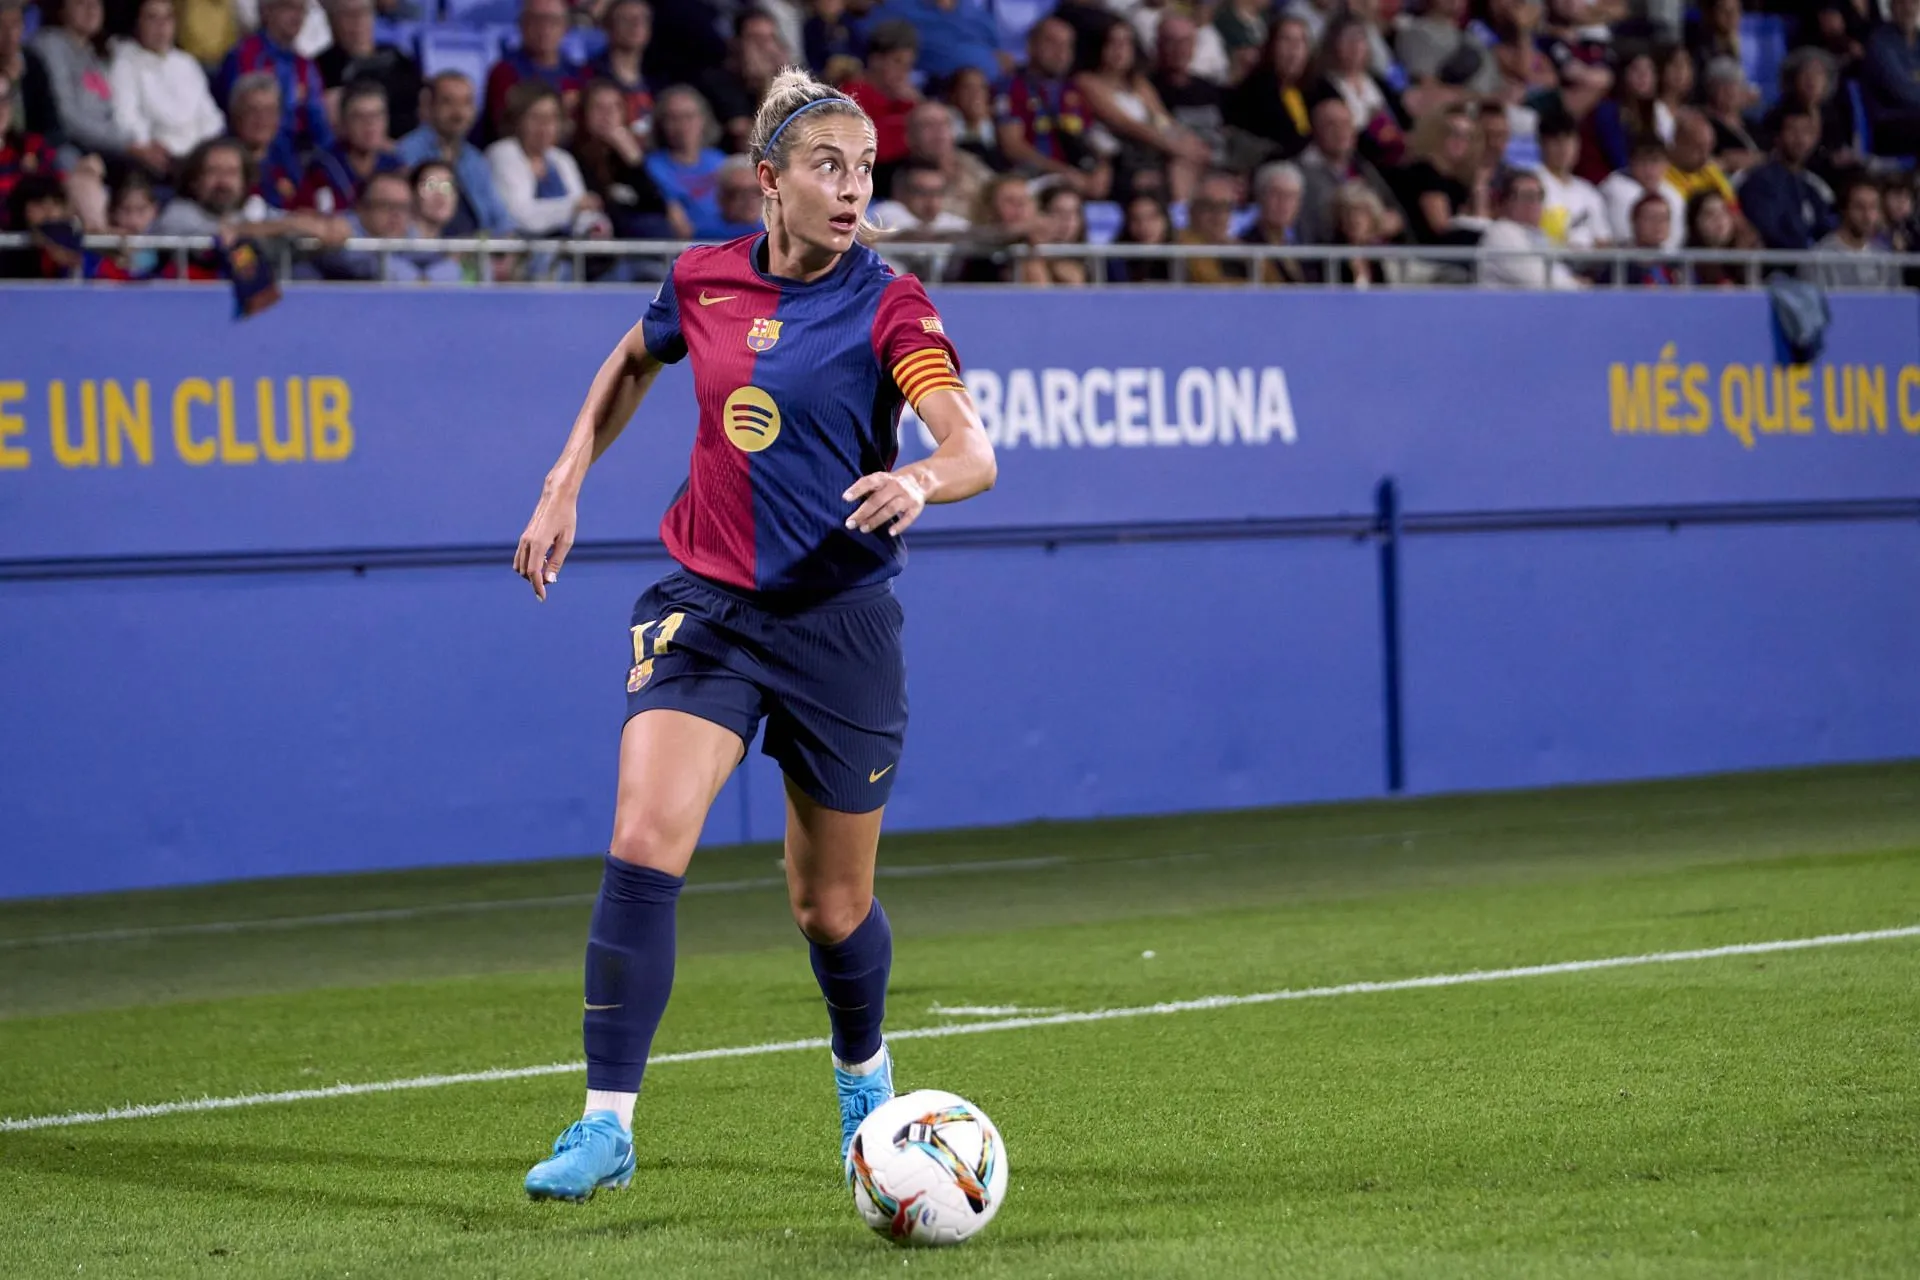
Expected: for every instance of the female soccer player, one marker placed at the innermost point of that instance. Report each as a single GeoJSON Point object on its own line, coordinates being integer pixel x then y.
{"type": "Point", "coordinates": [805, 346]}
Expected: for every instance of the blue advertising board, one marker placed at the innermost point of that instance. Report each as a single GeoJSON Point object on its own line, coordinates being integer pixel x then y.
{"type": "Point", "coordinates": [155, 424]}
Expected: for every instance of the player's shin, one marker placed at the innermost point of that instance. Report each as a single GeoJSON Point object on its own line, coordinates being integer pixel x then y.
{"type": "Point", "coordinates": [630, 948]}
{"type": "Point", "coordinates": [853, 977]}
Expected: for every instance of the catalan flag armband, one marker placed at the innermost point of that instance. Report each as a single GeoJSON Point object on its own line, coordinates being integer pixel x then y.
{"type": "Point", "coordinates": [925, 371]}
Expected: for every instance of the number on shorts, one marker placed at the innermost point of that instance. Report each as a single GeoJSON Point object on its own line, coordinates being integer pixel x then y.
{"type": "Point", "coordinates": [651, 639]}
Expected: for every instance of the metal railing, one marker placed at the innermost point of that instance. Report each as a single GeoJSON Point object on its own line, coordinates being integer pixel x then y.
{"type": "Point", "coordinates": [588, 262]}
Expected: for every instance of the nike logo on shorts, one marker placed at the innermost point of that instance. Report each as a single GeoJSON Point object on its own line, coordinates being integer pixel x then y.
{"type": "Point", "coordinates": [878, 774]}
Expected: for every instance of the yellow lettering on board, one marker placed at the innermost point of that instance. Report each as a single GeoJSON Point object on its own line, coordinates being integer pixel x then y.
{"type": "Point", "coordinates": [191, 391]}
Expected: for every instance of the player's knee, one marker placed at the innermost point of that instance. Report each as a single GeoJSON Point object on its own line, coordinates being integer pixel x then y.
{"type": "Point", "coordinates": [654, 838]}
{"type": "Point", "coordinates": [830, 918]}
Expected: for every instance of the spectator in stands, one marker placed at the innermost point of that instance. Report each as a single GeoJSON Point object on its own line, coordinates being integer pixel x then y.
{"type": "Point", "coordinates": [1144, 221]}
{"type": "Point", "coordinates": [976, 128]}
{"type": "Point", "coordinates": [1377, 111]}
{"type": "Point", "coordinates": [1807, 85]}
{"type": "Point", "coordinates": [1579, 46]}
{"type": "Point", "coordinates": [1438, 51]}
{"type": "Point", "coordinates": [734, 89]}
{"type": "Point", "coordinates": [436, 203]}
{"type": "Point", "coordinates": [1715, 32]}
{"type": "Point", "coordinates": [385, 212]}
{"type": "Point", "coordinates": [1379, 52]}
{"type": "Point", "coordinates": [885, 92]}
{"type": "Point", "coordinates": [355, 56]}
{"type": "Point", "coordinates": [160, 95]}
{"type": "Point", "coordinates": [1786, 203]}
{"type": "Point", "coordinates": [336, 175]}
{"type": "Point", "coordinates": [614, 166]}
{"type": "Point", "coordinates": [1855, 235]}
{"type": "Point", "coordinates": [36, 200]}
{"type": "Point", "coordinates": [539, 183]}
{"type": "Point", "coordinates": [1132, 129]}
{"type": "Point", "coordinates": [1526, 70]}
{"type": "Point", "coordinates": [1210, 222]}
{"type": "Point", "coordinates": [1197, 105]}
{"type": "Point", "coordinates": [918, 209]}
{"type": "Point", "coordinates": [1242, 25]}
{"type": "Point", "coordinates": [930, 145]}
{"type": "Point", "coordinates": [216, 198]}
{"type": "Point", "coordinates": [451, 110]}
{"type": "Point", "coordinates": [26, 77]}
{"type": "Point", "coordinates": [22, 154]}
{"type": "Point", "coordinates": [1692, 168]}
{"type": "Point", "coordinates": [309, 38]}
{"type": "Point", "coordinates": [1646, 174]}
{"type": "Point", "coordinates": [303, 109]}
{"type": "Point", "coordinates": [1439, 185]}
{"type": "Point", "coordinates": [1329, 164]}
{"type": "Point", "coordinates": [543, 25]}
{"type": "Point", "coordinates": [1358, 219]}
{"type": "Point", "coordinates": [1675, 72]}
{"type": "Point", "coordinates": [83, 93]}
{"type": "Point", "coordinates": [1277, 191]}
{"type": "Point", "coordinates": [1045, 118]}
{"type": "Point", "coordinates": [131, 213]}
{"type": "Point", "coordinates": [1273, 101]}
{"type": "Point", "coordinates": [1652, 229]}
{"type": "Point", "coordinates": [1063, 221]}
{"type": "Point", "coordinates": [828, 41]}
{"type": "Point", "coordinates": [686, 165]}
{"type": "Point", "coordinates": [1728, 94]}
{"type": "Point", "coordinates": [742, 203]}
{"type": "Point", "coordinates": [1621, 119]}
{"type": "Point", "coordinates": [1008, 218]}
{"type": "Point", "coordinates": [1711, 225]}
{"type": "Point", "coordinates": [1898, 215]}
{"type": "Point", "coordinates": [1511, 246]}
{"type": "Point", "coordinates": [1315, 15]}
{"type": "Point", "coordinates": [629, 28]}
{"type": "Point", "coordinates": [1573, 213]}
{"type": "Point", "coordinates": [256, 115]}
{"type": "Point", "coordinates": [1496, 136]}
{"type": "Point", "coordinates": [1843, 26]}
{"type": "Point", "coordinates": [953, 34]}
{"type": "Point", "coordinates": [1890, 77]}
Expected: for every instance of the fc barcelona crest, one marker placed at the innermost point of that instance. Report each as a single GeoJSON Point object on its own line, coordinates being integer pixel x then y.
{"type": "Point", "coordinates": [763, 335]}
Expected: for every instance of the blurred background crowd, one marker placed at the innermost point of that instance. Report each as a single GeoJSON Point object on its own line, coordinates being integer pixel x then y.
{"type": "Point", "coordinates": [1497, 126]}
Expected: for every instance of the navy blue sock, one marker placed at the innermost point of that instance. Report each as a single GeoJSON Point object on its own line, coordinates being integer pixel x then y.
{"type": "Point", "coordinates": [853, 978]}
{"type": "Point", "coordinates": [629, 972]}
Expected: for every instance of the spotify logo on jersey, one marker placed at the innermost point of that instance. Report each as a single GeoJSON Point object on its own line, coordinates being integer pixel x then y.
{"type": "Point", "coordinates": [752, 419]}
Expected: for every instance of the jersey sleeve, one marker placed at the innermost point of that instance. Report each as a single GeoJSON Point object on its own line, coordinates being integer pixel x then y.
{"type": "Point", "coordinates": [661, 325]}
{"type": "Point", "coordinates": [911, 343]}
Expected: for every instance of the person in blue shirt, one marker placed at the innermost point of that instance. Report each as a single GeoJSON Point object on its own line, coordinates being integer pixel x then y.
{"type": "Point", "coordinates": [1890, 74]}
{"type": "Point", "coordinates": [686, 168]}
{"type": "Point", "coordinates": [953, 34]}
{"type": "Point", "coordinates": [450, 111]}
{"type": "Point", "coordinates": [303, 107]}
{"type": "Point", "coordinates": [1788, 206]}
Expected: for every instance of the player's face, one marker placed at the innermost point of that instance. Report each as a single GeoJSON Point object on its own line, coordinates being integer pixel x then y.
{"type": "Point", "coordinates": [827, 183]}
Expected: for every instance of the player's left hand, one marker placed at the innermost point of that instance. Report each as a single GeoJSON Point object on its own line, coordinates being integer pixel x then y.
{"type": "Point", "coordinates": [893, 500]}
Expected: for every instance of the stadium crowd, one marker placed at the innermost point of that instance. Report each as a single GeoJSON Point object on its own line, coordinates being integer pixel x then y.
{"type": "Point", "coordinates": [1510, 125]}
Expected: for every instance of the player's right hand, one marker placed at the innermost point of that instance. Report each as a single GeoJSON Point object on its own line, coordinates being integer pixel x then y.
{"type": "Point", "coordinates": [548, 538]}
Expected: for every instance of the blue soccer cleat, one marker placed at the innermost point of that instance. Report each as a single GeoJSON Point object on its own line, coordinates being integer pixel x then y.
{"type": "Point", "coordinates": [859, 1095]}
{"type": "Point", "coordinates": [594, 1152]}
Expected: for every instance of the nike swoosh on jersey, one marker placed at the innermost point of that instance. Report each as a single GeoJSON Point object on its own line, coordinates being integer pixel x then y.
{"type": "Point", "coordinates": [878, 774]}
{"type": "Point", "coordinates": [707, 301]}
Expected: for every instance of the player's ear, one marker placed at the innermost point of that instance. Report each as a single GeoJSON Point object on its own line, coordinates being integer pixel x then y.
{"type": "Point", "coordinates": [768, 176]}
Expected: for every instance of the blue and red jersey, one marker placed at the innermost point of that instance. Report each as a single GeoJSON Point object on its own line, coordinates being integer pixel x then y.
{"type": "Point", "coordinates": [800, 387]}
{"type": "Point", "coordinates": [1054, 114]}
{"type": "Point", "coordinates": [331, 183]}
{"type": "Point", "coordinates": [303, 107]}
{"type": "Point", "coordinates": [564, 78]}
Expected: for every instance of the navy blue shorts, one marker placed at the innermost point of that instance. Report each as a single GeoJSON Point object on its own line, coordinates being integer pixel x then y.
{"type": "Point", "coordinates": [829, 678]}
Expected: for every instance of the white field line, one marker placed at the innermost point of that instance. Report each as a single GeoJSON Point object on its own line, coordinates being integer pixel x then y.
{"type": "Point", "coordinates": [149, 1110]}
{"type": "Point", "coordinates": [983, 1010]}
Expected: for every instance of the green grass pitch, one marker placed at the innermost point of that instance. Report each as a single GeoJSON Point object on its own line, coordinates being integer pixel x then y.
{"type": "Point", "coordinates": [1751, 1115]}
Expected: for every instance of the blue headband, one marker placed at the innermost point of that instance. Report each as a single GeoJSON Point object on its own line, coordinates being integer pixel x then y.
{"type": "Point", "coordinates": [774, 138]}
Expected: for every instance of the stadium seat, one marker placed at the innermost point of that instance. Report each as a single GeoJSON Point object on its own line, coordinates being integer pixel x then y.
{"type": "Point", "coordinates": [1014, 17]}
{"type": "Point", "coordinates": [480, 13]}
{"type": "Point", "coordinates": [1763, 47]}
{"type": "Point", "coordinates": [1104, 219]}
{"type": "Point", "coordinates": [583, 43]}
{"type": "Point", "coordinates": [404, 36]}
{"type": "Point", "coordinates": [1862, 127]}
{"type": "Point", "coordinates": [455, 49]}
{"type": "Point", "coordinates": [502, 38]}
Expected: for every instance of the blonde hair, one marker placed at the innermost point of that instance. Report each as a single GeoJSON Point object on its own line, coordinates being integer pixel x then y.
{"type": "Point", "coordinates": [795, 94]}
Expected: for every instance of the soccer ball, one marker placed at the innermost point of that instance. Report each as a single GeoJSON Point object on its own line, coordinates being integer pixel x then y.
{"type": "Point", "coordinates": [928, 1168]}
